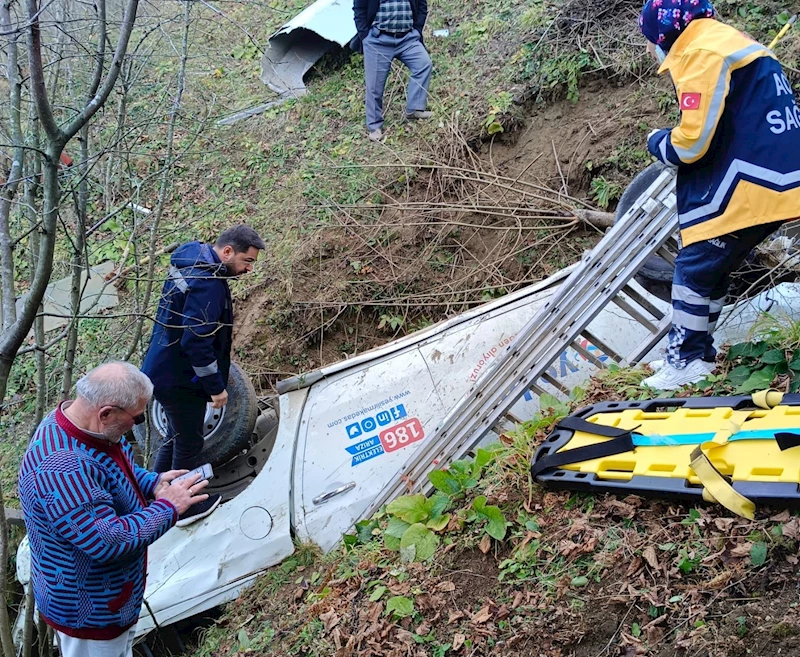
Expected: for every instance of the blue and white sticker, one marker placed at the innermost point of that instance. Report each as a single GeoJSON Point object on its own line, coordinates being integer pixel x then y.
{"type": "Point", "coordinates": [369, 424]}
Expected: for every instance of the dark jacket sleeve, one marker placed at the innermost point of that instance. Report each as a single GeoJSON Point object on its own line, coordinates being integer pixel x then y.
{"type": "Point", "coordinates": [421, 15]}
{"type": "Point", "coordinates": [360, 11]}
{"type": "Point", "coordinates": [202, 312]}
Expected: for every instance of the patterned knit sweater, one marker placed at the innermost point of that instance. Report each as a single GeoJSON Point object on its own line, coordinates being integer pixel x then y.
{"type": "Point", "coordinates": [85, 506]}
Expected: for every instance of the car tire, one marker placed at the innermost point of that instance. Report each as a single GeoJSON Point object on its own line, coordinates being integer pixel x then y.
{"type": "Point", "coordinates": [655, 267]}
{"type": "Point", "coordinates": [228, 430]}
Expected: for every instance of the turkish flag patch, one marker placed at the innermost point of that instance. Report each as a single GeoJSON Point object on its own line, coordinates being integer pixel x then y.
{"type": "Point", "coordinates": [690, 101]}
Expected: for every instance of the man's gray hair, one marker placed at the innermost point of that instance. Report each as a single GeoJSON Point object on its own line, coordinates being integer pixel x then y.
{"type": "Point", "coordinates": [115, 383]}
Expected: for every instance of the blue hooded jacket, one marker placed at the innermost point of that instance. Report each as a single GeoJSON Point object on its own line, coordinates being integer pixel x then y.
{"type": "Point", "coordinates": [191, 343]}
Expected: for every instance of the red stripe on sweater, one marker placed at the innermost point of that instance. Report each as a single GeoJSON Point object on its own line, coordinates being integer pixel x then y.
{"type": "Point", "coordinates": [94, 633]}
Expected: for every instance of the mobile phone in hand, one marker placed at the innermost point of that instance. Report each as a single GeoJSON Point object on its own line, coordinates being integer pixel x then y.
{"type": "Point", "coordinates": [205, 471]}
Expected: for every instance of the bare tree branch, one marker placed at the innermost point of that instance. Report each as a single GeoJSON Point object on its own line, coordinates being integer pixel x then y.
{"type": "Point", "coordinates": [9, 189]}
{"type": "Point", "coordinates": [101, 96]}
{"type": "Point", "coordinates": [166, 179]}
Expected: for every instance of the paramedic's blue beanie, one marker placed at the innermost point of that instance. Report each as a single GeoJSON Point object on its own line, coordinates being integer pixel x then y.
{"type": "Point", "coordinates": [662, 21]}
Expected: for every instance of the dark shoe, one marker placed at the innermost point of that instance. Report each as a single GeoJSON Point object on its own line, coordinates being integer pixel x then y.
{"type": "Point", "coordinates": [199, 510]}
{"type": "Point", "coordinates": [418, 114]}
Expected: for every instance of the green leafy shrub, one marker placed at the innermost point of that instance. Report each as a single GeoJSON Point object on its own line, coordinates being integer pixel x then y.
{"type": "Point", "coordinates": [758, 363]}
{"type": "Point", "coordinates": [413, 519]}
{"type": "Point", "coordinates": [462, 474]}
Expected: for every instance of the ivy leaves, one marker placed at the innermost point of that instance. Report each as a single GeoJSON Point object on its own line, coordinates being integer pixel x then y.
{"type": "Point", "coordinates": [759, 364]}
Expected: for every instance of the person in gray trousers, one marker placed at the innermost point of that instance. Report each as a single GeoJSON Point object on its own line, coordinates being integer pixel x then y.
{"type": "Point", "coordinates": [388, 30]}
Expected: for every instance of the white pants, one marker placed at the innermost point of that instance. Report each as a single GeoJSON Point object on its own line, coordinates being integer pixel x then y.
{"type": "Point", "coordinates": [122, 646]}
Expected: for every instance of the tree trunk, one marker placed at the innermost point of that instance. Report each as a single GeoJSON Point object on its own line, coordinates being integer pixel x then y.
{"type": "Point", "coordinates": [27, 632]}
{"type": "Point", "coordinates": [166, 181]}
{"type": "Point", "coordinates": [78, 263]}
{"type": "Point", "coordinates": [8, 190]}
{"type": "Point", "coordinates": [34, 172]}
{"type": "Point", "coordinates": [6, 641]}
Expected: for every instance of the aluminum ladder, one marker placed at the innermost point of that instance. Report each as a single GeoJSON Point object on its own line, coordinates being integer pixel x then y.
{"type": "Point", "coordinates": [603, 276]}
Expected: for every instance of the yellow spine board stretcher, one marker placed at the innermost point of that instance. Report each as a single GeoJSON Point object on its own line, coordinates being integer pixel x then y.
{"type": "Point", "coordinates": [738, 451]}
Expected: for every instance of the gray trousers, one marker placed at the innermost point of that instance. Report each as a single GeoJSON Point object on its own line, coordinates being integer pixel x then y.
{"type": "Point", "coordinates": [379, 51]}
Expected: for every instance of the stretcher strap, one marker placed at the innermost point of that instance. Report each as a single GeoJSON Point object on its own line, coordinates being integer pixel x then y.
{"type": "Point", "coordinates": [717, 487]}
{"type": "Point", "coordinates": [576, 423]}
{"type": "Point", "coordinates": [621, 441]}
{"type": "Point", "coordinates": [767, 399]}
{"type": "Point", "coordinates": [787, 440]}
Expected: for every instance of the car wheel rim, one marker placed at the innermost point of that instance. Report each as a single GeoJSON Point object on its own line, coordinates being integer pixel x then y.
{"type": "Point", "coordinates": [211, 422]}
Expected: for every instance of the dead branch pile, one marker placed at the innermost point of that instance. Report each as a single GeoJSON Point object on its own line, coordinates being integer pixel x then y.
{"type": "Point", "coordinates": [447, 231]}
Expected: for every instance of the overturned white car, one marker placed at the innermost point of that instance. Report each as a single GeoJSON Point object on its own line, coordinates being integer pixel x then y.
{"type": "Point", "coordinates": [341, 438]}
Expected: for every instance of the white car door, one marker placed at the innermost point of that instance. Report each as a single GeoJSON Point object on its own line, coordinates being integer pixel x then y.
{"type": "Point", "coordinates": [359, 427]}
{"type": "Point", "coordinates": [194, 568]}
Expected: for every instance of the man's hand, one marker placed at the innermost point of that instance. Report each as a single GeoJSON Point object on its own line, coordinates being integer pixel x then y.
{"type": "Point", "coordinates": [182, 494]}
{"type": "Point", "coordinates": [165, 479]}
{"type": "Point", "coordinates": [218, 401]}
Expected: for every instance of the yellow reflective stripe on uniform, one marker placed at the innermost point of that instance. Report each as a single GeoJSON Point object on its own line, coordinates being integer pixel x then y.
{"type": "Point", "coordinates": [708, 74]}
{"type": "Point", "coordinates": [732, 175]}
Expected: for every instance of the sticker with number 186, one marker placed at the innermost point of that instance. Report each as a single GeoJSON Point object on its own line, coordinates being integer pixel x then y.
{"type": "Point", "coordinates": [400, 435]}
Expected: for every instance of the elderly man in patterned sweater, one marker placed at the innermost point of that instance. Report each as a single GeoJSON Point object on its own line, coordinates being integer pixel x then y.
{"type": "Point", "coordinates": [91, 512]}
{"type": "Point", "coordinates": [389, 30]}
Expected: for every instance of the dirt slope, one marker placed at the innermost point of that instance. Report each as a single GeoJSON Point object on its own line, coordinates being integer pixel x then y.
{"type": "Point", "coordinates": [494, 215]}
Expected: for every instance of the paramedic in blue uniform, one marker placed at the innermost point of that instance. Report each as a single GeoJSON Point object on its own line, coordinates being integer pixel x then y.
{"type": "Point", "coordinates": [737, 155]}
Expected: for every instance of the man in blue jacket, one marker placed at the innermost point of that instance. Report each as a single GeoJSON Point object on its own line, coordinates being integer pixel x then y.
{"type": "Point", "coordinates": [91, 512]}
{"type": "Point", "coordinates": [737, 153]}
{"type": "Point", "coordinates": [190, 350]}
{"type": "Point", "coordinates": [389, 30]}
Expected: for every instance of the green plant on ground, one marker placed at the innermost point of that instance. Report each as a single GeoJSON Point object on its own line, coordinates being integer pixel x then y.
{"type": "Point", "coordinates": [533, 17]}
{"type": "Point", "coordinates": [391, 322]}
{"type": "Point", "coordinates": [604, 191]}
{"type": "Point", "coordinates": [495, 520]}
{"type": "Point", "coordinates": [522, 565]}
{"type": "Point", "coordinates": [247, 50]}
{"type": "Point", "coordinates": [668, 106]}
{"type": "Point", "coordinates": [461, 475]}
{"type": "Point", "coordinates": [625, 381]}
{"type": "Point", "coordinates": [399, 607]}
{"type": "Point", "coordinates": [306, 553]}
{"type": "Point", "coordinates": [561, 70]}
{"type": "Point", "coordinates": [630, 156]}
{"type": "Point", "coordinates": [781, 331]}
{"type": "Point", "coordinates": [413, 521]}
{"type": "Point", "coordinates": [499, 104]}
{"type": "Point", "coordinates": [480, 31]}
{"type": "Point", "coordinates": [493, 293]}
{"type": "Point", "coordinates": [756, 364]}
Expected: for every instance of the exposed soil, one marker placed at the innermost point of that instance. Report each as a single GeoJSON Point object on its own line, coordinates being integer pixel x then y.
{"type": "Point", "coordinates": [606, 120]}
